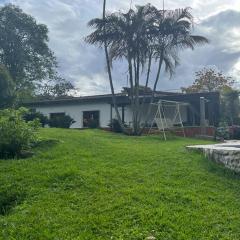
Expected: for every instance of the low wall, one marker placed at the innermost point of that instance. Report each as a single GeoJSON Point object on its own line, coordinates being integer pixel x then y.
{"type": "Point", "coordinates": [195, 131]}
{"type": "Point", "coordinates": [229, 158]}
{"type": "Point", "coordinates": [225, 154]}
{"type": "Point", "coordinates": [189, 131]}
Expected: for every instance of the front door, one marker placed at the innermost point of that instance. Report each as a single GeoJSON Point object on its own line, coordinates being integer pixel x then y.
{"type": "Point", "coordinates": [91, 119]}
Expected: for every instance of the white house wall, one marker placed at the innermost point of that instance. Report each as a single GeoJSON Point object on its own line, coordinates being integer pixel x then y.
{"type": "Point", "coordinates": [76, 112]}
{"type": "Point", "coordinates": [169, 114]}
{"type": "Point", "coordinates": [127, 114]}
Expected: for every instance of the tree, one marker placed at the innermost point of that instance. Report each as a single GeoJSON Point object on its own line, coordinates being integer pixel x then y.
{"type": "Point", "coordinates": [24, 49]}
{"type": "Point", "coordinates": [109, 68]}
{"type": "Point", "coordinates": [6, 88]}
{"type": "Point", "coordinates": [53, 89]}
{"type": "Point", "coordinates": [209, 80]}
{"type": "Point", "coordinates": [141, 36]}
{"type": "Point", "coordinates": [230, 107]}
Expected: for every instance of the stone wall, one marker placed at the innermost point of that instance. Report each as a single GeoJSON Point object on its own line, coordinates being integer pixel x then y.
{"type": "Point", "coordinates": [229, 158]}
{"type": "Point", "coordinates": [227, 155]}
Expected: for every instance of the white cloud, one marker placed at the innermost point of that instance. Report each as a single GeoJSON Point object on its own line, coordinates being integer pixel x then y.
{"type": "Point", "coordinates": [84, 65]}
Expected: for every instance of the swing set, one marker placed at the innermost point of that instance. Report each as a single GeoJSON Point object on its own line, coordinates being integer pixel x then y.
{"type": "Point", "coordinates": [165, 123]}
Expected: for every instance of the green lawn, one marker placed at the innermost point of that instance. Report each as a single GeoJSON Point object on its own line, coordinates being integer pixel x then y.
{"type": "Point", "coordinates": [96, 185]}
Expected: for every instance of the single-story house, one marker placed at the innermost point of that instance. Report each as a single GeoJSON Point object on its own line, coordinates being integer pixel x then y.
{"type": "Point", "coordinates": [100, 108]}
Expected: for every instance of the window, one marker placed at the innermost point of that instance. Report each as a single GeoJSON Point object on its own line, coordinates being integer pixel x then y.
{"type": "Point", "coordinates": [91, 119]}
{"type": "Point", "coordinates": [56, 115]}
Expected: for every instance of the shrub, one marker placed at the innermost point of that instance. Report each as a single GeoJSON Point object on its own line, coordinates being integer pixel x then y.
{"type": "Point", "coordinates": [222, 131]}
{"type": "Point", "coordinates": [235, 132]}
{"type": "Point", "coordinates": [32, 115]}
{"type": "Point", "coordinates": [16, 135]}
{"type": "Point", "coordinates": [93, 123]}
{"type": "Point", "coordinates": [62, 121]}
{"type": "Point", "coordinates": [115, 126]}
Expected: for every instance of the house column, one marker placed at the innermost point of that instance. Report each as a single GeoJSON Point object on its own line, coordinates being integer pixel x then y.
{"type": "Point", "coordinates": [203, 115]}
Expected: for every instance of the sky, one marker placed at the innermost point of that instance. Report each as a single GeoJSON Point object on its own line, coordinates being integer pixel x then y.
{"type": "Point", "coordinates": [84, 65]}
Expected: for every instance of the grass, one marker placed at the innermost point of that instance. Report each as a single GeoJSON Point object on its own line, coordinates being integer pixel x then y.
{"type": "Point", "coordinates": [96, 185]}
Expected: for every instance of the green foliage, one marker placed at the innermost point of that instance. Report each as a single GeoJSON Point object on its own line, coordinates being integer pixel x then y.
{"type": "Point", "coordinates": [93, 123]}
{"type": "Point", "coordinates": [230, 107]}
{"type": "Point", "coordinates": [6, 88]}
{"type": "Point", "coordinates": [222, 132]}
{"type": "Point", "coordinates": [97, 185]}
{"type": "Point", "coordinates": [115, 126]}
{"type": "Point", "coordinates": [209, 80]}
{"type": "Point", "coordinates": [235, 132]}
{"type": "Point", "coordinates": [63, 121]}
{"type": "Point", "coordinates": [24, 49]}
{"type": "Point", "coordinates": [31, 115]}
{"type": "Point", "coordinates": [147, 38]}
{"type": "Point", "coordinates": [16, 135]}
{"type": "Point", "coordinates": [55, 89]}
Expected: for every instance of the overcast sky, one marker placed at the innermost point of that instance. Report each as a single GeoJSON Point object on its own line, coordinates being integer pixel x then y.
{"type": "Point", "coordinates": [84, 65]}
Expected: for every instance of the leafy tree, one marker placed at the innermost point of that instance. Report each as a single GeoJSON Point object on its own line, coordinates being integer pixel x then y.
{"type": "Point", "coordinates": [6, 87]}
{"type": "Point", "coordinates": [24, 49]}
{"type": "Point", "coordinates": [141, 37]}
{"type": "Point", "coordinates": [53, 89]}
{"type": "Point", "coordinates": [230, 107]}
{"type": "Point", "coordinates": [209, 80]}
{"type": "Point", "coordinates": [142, 90]}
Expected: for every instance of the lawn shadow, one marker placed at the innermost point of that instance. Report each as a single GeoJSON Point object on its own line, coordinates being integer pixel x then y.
{"type": "Point", "coordinates": [41, 145]}
{"type": "Point", "coordinates": [69, 180]}
{"type": "Point", "coordinates": [9, 200]}
{"type": "Point", "coordinates": [219, 169]}
{"type": "Point", "coordinates": [46, 144]}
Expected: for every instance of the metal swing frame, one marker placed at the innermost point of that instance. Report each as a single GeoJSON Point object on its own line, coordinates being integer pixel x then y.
{"type": "Point", "coordinates": [160, 118]}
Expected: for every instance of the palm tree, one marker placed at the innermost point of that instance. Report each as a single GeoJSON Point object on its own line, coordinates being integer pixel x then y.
{"type": "Point", "coordinates": [109, 67]}
{"type": "Point", "coordinates": [173, 35]}
{"type": "Point", "coordinates": [141, 36]}
{"type": "Point", "coordinates": [127, 35]}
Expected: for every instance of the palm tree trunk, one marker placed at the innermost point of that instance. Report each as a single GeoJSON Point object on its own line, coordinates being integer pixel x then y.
{"type": "Point", "coordinates": [146, 84]}
{"type": "Point", "coordinates": [110, 74]}
{"type": "Point", "coordinates": [138, 117]}
{"type": "Point", "coordinates": [148, 71]}
{"type": "Point", "coordinates": [153, 92]}
{"type": "Point", "coordinates": [130, 70]}
{"type": "Point", "coordinates": [135, 108]}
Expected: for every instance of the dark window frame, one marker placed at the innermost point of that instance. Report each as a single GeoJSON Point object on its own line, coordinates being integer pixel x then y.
{"type": "Point", "coordinates": [86, 124]}
{"type": "Point", "coordinates": [57, 114]}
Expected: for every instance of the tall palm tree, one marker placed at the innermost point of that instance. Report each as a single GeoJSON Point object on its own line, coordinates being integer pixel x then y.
{"type": "Point", "coordinates": [173, 35]}
{"type": "Point", "coordinates": [127, 35]}
{"type": "Point", "coordinates": [141, 36]}
{"type": "Point", "coordinates": [109, 68]}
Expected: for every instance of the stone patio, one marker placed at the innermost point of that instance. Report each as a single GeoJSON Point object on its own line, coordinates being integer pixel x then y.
{"type": "Point", "coordinates": [227, 153]}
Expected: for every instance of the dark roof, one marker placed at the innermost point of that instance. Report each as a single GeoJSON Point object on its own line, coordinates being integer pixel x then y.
{"type": "Point", "coordinates": [123, 98]}
{"type": "Point", "coordinates": [107, 98]}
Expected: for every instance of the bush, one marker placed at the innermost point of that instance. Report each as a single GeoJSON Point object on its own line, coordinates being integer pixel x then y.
{"type": "Point", "coordinates": [115, 126]}
{"type": "Point", "coordinates": [235, 132]}
{"type": "Point", "coordinates": [63, 121]}
{"type": "Point", "coordinates": [16, 135]}
{"type": "Point", "coordinates": [93, 123]}
{"type": "Point", "coordinates": [32, 115]}
{"type": "Point", "coordinates": [222, 131]}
